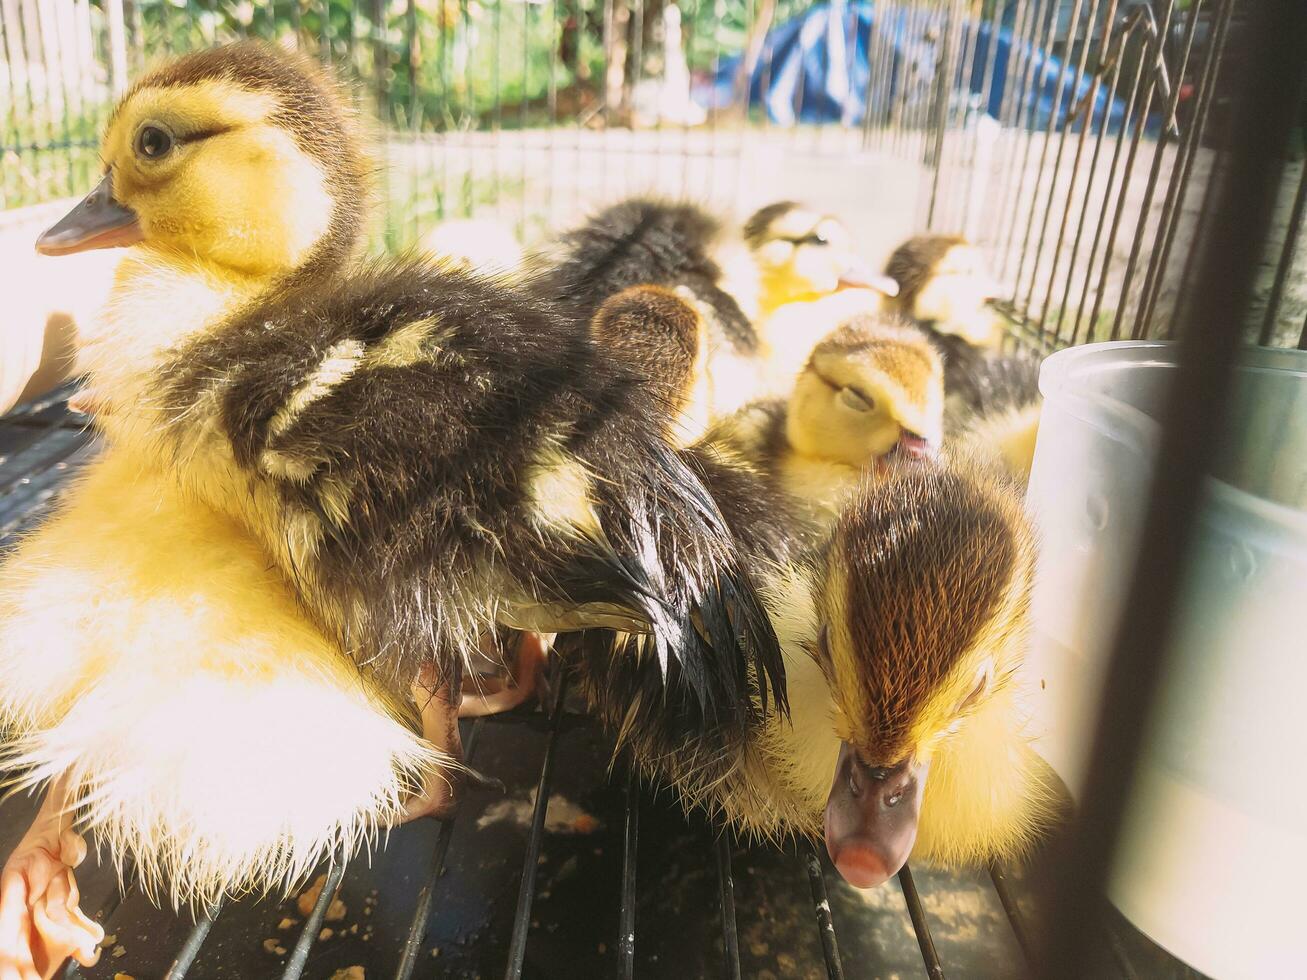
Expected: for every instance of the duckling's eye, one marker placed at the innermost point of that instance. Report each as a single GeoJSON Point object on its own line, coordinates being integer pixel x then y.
{"type": "Point", "coordinates": [152, 143]}
{"type": "Point", "coordinates": [854, 401]}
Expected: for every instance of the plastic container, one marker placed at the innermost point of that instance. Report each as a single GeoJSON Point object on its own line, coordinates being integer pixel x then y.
{"type": "Point", "coordinates": [1214, 859]}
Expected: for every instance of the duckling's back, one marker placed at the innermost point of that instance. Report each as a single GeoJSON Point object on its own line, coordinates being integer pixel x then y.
{"type": "Point", "coordinates": [442, 452]}
{"type": "Point", "coordinates": [642, 242]}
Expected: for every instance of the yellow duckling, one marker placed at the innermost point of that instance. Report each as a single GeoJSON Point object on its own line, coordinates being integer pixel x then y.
{"type": "Point", "coordinates": [902, 635]}
{"type": "Point", "coordinates": [422, 454]}
{"type": "Point", "coordinates": [870, 391]}
{"type": "Point", "coordinates": [149, 660]}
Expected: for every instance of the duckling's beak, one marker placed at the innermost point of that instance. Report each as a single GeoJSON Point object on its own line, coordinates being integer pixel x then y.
{"type": "Point", "coordinates": [913, 446]}
{"type": "Point", "coordinates": [98, 221]}
{"type": "Point", "coordinates": [871, 818]}
{"type": "Point", "coordinates": [859, 275]}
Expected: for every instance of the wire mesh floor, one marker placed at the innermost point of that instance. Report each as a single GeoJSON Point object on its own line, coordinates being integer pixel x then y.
{"type": "Point", "coordinates": [575, 872]}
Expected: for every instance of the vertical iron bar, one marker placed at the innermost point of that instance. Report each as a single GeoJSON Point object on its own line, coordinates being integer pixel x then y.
{"type": "Point", "coordinates": [1101, 224]}
{"type": "Point", "coordinates": [944, 81]}
{"type": "Point", "coordinates": [830, 949]}
{"type": "Point", "coordinates": [17, 148]}
{"type": "Point", "coordinates": [726, 888]}
{"type": "Point", "coordinates": [1286, 259]}
{"type": "Point", "coordinates": [1028, 130]}
{"type": "Point", "coordinates": [1020, 51]}
{"type": "Point", "coordinates": [1030, 51]}
{"type": "Point", "coordinates": [630, 862]}
{"type": "Point", "coordinates": [1159, 149]}
{"type": "Point", "coordinates": [417, 928]}
{"type": "Point", "coordinates": [1054, 105]}
{"type": "Point", "coordinates": [873, 39]}
{"type": "Point", "coordinates": [890, 29]}
{"type": "Point", "coordinates": [1153, 60]}
{"type": "Point", "coordinates": [1091, 102]}
{"type": "Point", "coordinates": [526, 894]}
{"type": "Point", "coordinates": [325, 36]}
{"type": "Point", "coordinates": [523, 141]}
{"type": "Point", "coordinates": [1246, 187]}
{"type": "Point", "coordinates": [986, 93]}
{"type": "Point", "coordinates": [1193, 143]}
{"type": "Point", "coordinates": [998, 875]}
{"type": "Point", "coordinates": [934, 969]}
{"type": "Point", "coordinates": [191, 948]}
{"type": "Point", "coordinates": [309, 934]}
{"type": "Point", "coordinates": [962, 90]}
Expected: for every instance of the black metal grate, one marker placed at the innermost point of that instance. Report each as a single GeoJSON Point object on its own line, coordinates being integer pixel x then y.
{"type": "Point", "coordinates": [29, 480]}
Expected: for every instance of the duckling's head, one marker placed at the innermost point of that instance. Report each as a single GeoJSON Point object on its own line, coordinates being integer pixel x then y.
{"type": "Point", "coordinates": [241, 157]}
{"type": "Point", "coordinates": [944, 281]}
{"type": "Point", "coordinates": [804, 255]}
{"type": "Point", "coordinates": [924, 604]}
{"type": "Point", "coordinates": [870, 388]}
{"type": "Point", "coordinates": [661, 337]}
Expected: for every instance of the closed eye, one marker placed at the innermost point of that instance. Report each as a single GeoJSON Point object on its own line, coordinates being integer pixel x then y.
{"type": "Point", "coordinates": [812, 238]}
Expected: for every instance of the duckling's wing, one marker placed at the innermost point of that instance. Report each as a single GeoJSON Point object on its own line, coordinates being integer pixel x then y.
{"type": "Point", "coordinates": [980, 383]}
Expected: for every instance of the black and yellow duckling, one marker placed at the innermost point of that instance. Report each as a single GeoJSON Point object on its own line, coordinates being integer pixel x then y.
{"type": "Point", "coordinates": [734, 278]}
{"type": "Point", "coordinates": [944, 285]}
{"type": "Point", "coordinates": [872, 390]}
{"type": "Point", "coordinates": [945, 288]}
{"type": "Point", "coordinates": [902, 634]}
{"type": "Point", "coordinates": [421, 453]}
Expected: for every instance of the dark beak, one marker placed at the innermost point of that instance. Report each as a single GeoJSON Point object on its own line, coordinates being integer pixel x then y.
{"type": "Point", "coordinates": [859, 276]}
{"type": "Point", "coordinates": [871, 818]}
{"type": "Point", "coordinates": [98, 221]}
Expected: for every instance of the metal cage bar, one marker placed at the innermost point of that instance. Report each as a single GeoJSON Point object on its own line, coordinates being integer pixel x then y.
{"type": "Point", "coordinates": [526, 895]}
{"type": "Point", "coordinates": [1246, 188]}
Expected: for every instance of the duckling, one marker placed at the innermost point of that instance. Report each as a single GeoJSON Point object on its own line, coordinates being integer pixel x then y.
{"type": "Point", "coordinates": [473, 244]}
{"type": "Point", "coordinates": [895, 681]}
{"type": "Point", "coordinates": [872, 390]}
{"type": "Point", "coordinates": [945, 289]}
{"type": "Point", "coordinates": [902, 634]}
{"type": "Point", "coordinates": [421, 453]}
{"type": "Point", "coordinates": [943, 284]}
{"type": "Point", "coordinates": [803, 255]}
{"type": "Point", "coordinates": [154, 670]}
{"type": "Point", "coordinates": [733, 278]}
{"type": "Point", "coordinates": [1004, 430]}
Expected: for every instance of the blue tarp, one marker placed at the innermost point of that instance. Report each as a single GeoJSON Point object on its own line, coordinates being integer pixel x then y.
{"type": "Point", "coordinates": [815, 68]}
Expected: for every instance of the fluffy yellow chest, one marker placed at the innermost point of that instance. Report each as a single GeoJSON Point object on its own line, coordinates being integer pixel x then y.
{"type": "Point", "coordinates": [822, 483]}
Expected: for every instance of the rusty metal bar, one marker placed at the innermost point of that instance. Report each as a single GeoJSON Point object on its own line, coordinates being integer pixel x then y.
{"type": "Point", "coordinates": [422, 913]}
{"type": "Point", "coordinates": [726, 890]}
{"type": "Point", "coordinates": [526, 894]}
{"type": "Point", "coordinates": [934, 969]}
{"type": "Point", "coordinates": [830, 949]}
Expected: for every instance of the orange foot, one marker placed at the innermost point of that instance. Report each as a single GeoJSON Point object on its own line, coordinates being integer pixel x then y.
{"type": "Point", "coordinates": [527, 677]}
{"type": "Point", "coordinates": [41, 924]}
{"type": "Point", "coordinates": [443, 791]}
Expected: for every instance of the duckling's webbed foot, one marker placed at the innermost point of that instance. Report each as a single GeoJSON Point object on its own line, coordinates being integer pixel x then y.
{"type": "Point", "coordinates": [528, 676]}
{"type": "Point", "coordinates": [443, 792]}
{"type": "Point", "coordinates": [41, 924]}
